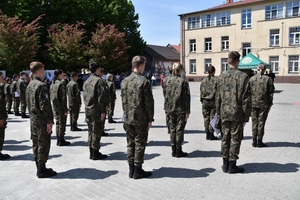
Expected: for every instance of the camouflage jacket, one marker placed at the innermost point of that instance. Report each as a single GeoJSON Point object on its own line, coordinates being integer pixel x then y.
{"type": "Point", "coordinates": [208, 91]}
{"type": "Point", "coordinates": [21, 88]}
{"type": "Point", "coordinates": [233, 96]}
{"type": "Point", "coordinates": [111, 91]}
{"type": "Point", "coordinates": [58, 95]}
{"type": "Point", "coordinates": [137, 100]}
{"type": "Point", "coordinates": [177, 95]}
{"type": "Point", "coordinates": [94, 96]}
{"type": "Point", "coordinates": [13, 88]}
{"type": "Point", "coordinates": [74, 97]}
{"type": "Point", "coordinates": [2, 102]}
{"type": "Point", "coordinates": [7, 90]}
{"type": "Point", "coordinates": [38, 102]}
{"type": "Point", "coordinates": [262, 90]}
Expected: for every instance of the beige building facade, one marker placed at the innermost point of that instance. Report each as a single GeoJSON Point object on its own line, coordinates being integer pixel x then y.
{"type": "Point", "coordinates": [270, 29]}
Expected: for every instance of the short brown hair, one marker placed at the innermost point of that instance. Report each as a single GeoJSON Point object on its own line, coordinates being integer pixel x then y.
{"type": "Point", "coordinates": [233, 57]}
{"type": "Point", "coordinates": [138, 61]}
{"type": "Point", "coordinates": [35, 66]}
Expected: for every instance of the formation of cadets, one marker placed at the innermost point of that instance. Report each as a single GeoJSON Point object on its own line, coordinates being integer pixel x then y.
{"type": "Point", "coordinates": [232, 96]}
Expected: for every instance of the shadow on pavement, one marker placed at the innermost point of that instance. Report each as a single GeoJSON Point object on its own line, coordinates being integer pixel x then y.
{"type": "Point", "coordinates": [162, 143]}
{"type": "Point", "coordinates": [67, 137]}
{"type": "Point", "coordinates": [117, 134]}
{"type": "Point", "coordinates": [158, 126]}
{"type": "Point", "coordinates": [278, 91]}
{"type": "Point", "coordinates": [79, 143]}
{"type": "Point", "coordinates": [204, 154]}
{"type": "Point", "coordinates": [123, 156]}
{"type": "Point", "coordinates": [27, 156]}
{"type": "Point", "coordinates": [54, 156]}
{"type": "Point", "coordinates": [172, 172]}
{"type": "Point", "coordinates": [193, 131]}
{"type": "Point", "coordinates": [247, 138]}
{"type": "Point", "coordinates": [14, 141]}
{"type": "Point", "coordinates": [271, 168]}
{"type": "Point", "coordinates": [16, 147]}
{"type": "Point", "coordinates": [15, 120]}
{"type": "Point", "coordinates": [85, 173]}
{"type": "Point", "coordinates": [283, 144]}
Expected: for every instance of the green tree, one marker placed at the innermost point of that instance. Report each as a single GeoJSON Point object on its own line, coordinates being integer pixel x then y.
{"type": "Point", "coordinates": [108, 46]}
{"type": "Point", "coordinates": [65, 47]}
{"type": "Point", "coordinates": [18, 43]}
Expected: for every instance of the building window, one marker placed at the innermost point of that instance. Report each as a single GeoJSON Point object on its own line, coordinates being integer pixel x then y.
{"type": "Point", "coordinates": [274, 11]}
{"type": "Point", "coordinates": [295, 35]}
{"type": "Point", "coordinates": [292, 9]}
{"type": "Point", "coordinates": [193, 67]}
{"type": "Point", "coordinates": [293, 63]}
{"type": "Point", "coordinates": [192, 45]}
{"type": "Point", "coordinates": [208, 20]}
{"type": "Point", "coordinates": [223, 65]}
{"type": "Point", "coordinates": [223, 18]}
{"type": "Point", "coordinates": [193, 22]}
{"type": "Point", "coordinates": [274, 37]}
{"type": "Point", "coordinates": [246, 48]}
{"type": "Point", "coordinates": [207, 63]}
{"type": "Point", "coordinates": [246, 18]}
{"type": "Point", "coordinates": [225, 42]}
{"type": "Point", "coordinates": [208, 44]}
{"type": "Point", "coordinates": [274, 62]}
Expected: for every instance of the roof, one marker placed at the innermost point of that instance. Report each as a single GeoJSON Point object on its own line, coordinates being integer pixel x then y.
{"type": "Point", "coordinates": [251, 62]}
{"type": "Point", "coordinates": [162, 52]}
{"type": "Point", "coordinates": [176, 47]}
{"type": "Point", "coordinates": [228, 5]}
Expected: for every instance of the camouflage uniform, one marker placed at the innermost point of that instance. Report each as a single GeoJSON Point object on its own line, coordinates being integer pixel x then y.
{"type": "Point", "coordinates": [138, 107]}
{"type": "Point", "coordinates": [2, 115]}
{"type": "Point", "coordinates": [112, 98]}
{"type": "Point", "coordinates": [106, 101]}
{"type": "Point", "coordinates": [167, 115]}
{"type": "Point", "coordinates": [21, 89]}
{"type": "Point", "coordinates": [208, 90]}
{"type": "Point", "coordinates": [8, 96]}
{"type": "Point", "coordinates": [41, 114]}
{"type": "Point", "coordinates": [262, 90]}
{"type": "Point", "coordinates": [95, 104]}
{"type": "Point", "coordinates": [177, 104]}
{"type": "Point", "coordinates": [74, 100]}
{"type": "Point", "coordinates": [58, 96]}
{"type": "Point", "coordinates": [16, 98]}
{"type": "Point", "coordinates": [233, 107]}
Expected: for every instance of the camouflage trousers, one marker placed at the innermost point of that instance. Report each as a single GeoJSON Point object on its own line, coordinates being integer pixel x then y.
{"type": "Point", "coordinates": [231, 140]}
{"type": "Point", "coordinates": [177, 124]}
{"type": "Point", "coordinates": [74, 114]}
{"type": "Point", "coordinates": [23, 104]}
{"type": "Point", "coordinates": [137, 136]}
{"type": "Point", "coordinates": [111, 108]}
{"type": "Point", "coordinates": [60, 122]}
{"type": "Point", "coordinates": [259, 117]}
{"type": "Point", "coordinates": [8, 100]}
{"type": "Point", "coordinates": [2, 135]}
{"type": "Point", "coordinates": [208, 114]}
{"type": "Point", "coordinates": [16, 104]}
{"type": "Point", "coordinates": [168, 122]}
{"type": "Point", "coordinates": [41, 141]}
{"type": "Point", "coordinates": [94, 130]}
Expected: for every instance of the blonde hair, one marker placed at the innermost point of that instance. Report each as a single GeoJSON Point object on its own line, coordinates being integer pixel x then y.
{"type": "Point", "coordinates": [137, 61]}
{"type": "Point", "coordinates": [108, 76]}
{"type": "Point", "coordinates": [176, 68]}
{"type": "Point", "coordinates": [261, 68]}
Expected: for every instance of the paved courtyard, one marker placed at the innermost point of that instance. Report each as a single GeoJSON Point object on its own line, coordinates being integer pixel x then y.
{"type": "Point", "coordinates": [270, 173]}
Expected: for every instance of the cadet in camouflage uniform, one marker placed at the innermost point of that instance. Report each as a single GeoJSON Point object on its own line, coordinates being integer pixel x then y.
{"type": "Point", "coordinates": [112, 97]}
{"type": "Point", "coordinates": [106, 100]}
{"type": "Point", "coordinates": [58, 95]}
{"type": "Point", "coordinates": [177, 101]}
{"type": "Point", "coordinates": [8, 96]}
{"type": "Point", "coordinates": [21, 89]}
{"type": "Point", "coordinates": [74, 99]}
{"type": "Point", "coordinates": [233, 107]}
{"type": "Point", "coordinates": [95, 109]}
{"type": "Point", "coordinates": [41, 119]}
{"type": "Point", "coordinates": [138, 107]}
{"type": "Point", "coordinates": [167, 115]}
{"type": "Point", "coordinates": [2, 118]}
{"type": "Point", "coordinates": [208, 90]}
{"type": "Point", "coordinates": [262, 90]}
{"type": "Point", "coordinates": [16, 95]}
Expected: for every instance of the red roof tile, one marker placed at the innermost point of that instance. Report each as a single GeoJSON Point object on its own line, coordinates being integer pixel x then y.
{"type": "Point", "coordinates": [237, 3]}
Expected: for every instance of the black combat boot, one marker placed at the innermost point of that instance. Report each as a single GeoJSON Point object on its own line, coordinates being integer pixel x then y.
{"type": "Point", "coordinates": [75, 128]}
{"type": "Point", "coordinates": [97, 155]}
{"type": "Point", "coordinates": [9, 112]}
{"type": "Point", "coordinates": [233, 169]}
{"type": "Point", "coordinates": [131, 170]}
{"type": "Point", "coordinates": [91, 153]}
{"type": "Point", "coordinates": [17, 113]}
{"type": "Point", "coordinates": [110, 120]}
{"type": "Point", "coordinates": [104, 134]}
{"type": "Point", "coordinates": [212, 137]}
{"type": "Point", "coordinates": [254, 143]}
{"type": "Point", "coordinates": [24, 115]}
{"type": "Point", "coordinates": [207, 135]}
{"type": "Point", "coordinates": [4, 156]}
{"type": "Point", "coordinates": [44, 172]}
{"type": "Point", "coordinates": [62, 142]}
{"type": "Point", "coordinates": [140, 173]}
{"type": "Point", "coordinates": [225, 165]}
{"type": "Point", "coordinates": [260, 143]}
{"type": "Point", "coordinates": [173, 151]}
{"type": "Point", "coordinates": [180, 153]}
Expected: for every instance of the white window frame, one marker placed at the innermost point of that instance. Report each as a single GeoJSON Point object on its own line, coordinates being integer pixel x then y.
{"type": "Point", "coordinates": [193, 22]}
{"type": "Point", "coordinates": [274, 62]}
{"type": "Point", "coordinates": [208, 44]}
{"type": "Point", "coordinates": [193, 66]}
{"type": "Point", "coordinates": [208, 20]}
{"type": "Point", "coordinates": [293, 63]}
{"type": "Point", "coordinates": [223, 18]}
{"type": "Point", "coordinates": [247, 14]}
{"type": "Point", "coordinates": [224, 43]}
{"type": "Point", "coordinates": [274, 11]}
{"type": "Point", "coordinates": [207, 63]}
{"type": "Point", "coordinates": [224, 64]}
{"type": "Point", "coordinates": [294, 38]}
{"type": "Point", "coordinates": [193, 45]}
{"type": "Point", "coordinates": [293, 9]}
{"type": "Point", "coordinates": [245, 48]}
{"type": "Point", "coordinates": [274, 37]}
